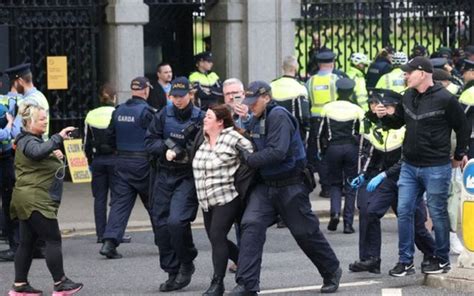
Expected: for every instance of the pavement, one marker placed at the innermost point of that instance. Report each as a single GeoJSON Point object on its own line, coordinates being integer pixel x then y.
{"type": "Point", "coordinates": [76, 213]}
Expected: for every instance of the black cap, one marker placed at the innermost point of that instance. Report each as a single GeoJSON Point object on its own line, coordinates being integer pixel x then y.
{"type": "Point", "coordinates": [468, 65]}
{"type": "Point", "coordinates": [418, 50]}
{"type": "Point", "coordinates": [180, 87]}
{"type": "Point", "coordinates": [384, 96]}
{"type": "Point", "coordinates": [440, 75]}
{"type": "Point", "coordinates": [18, 71]}
{"type": "Point", "coordinates": [139, 83]}
{"type": "Point", "coordinates": [418, 63]}
{"type": "Point", "coordinates": [445, 52]}
{"type": "Point", "coordinates": [255, 90]}
{"type": "Point", "coordinates": [203, 56]}
{"type": "Point", "coordinates": [345, 84]}
{"type": "Point", "coordinates": [325, 57]}
{"type": "Point", "coordinates": [438, 62]}
{"type": "Point", "coordinates": [469, 50]}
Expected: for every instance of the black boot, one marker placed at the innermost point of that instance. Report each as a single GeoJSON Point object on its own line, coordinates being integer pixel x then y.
{"type": "Point", "coordinates": [348, 228]}
{"type": "Point", "coordinates": [358, 266]}
{"type": "Point", "coordinates": [373, 265]}
{"type": "Point", "coordinates": [332, 226]}
{"type": "Point", "coordinates": [7, 255]}
{"type": "Point", "coordinates": [170, 284]}
{"type": "Point", "coordinates": [240, 290]}
{"type": "Point", "coordinates": [109, 250]}
{"type": "Point", "coordinates": [331, 282]}
{"type": "Point", "coordinates": [185, 274]}
{"type": "Point", "coordinates": [216, 288]}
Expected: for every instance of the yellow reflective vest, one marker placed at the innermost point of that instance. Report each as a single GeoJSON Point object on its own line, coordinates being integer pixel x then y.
{"type": "Point", "coordinates": [394, 80]}
{"type": "Point", "coordinates": [360, 89]}
{"type": "Point", "coordinates": [321, 90]}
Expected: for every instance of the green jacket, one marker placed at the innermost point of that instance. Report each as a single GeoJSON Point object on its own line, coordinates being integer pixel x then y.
{"type": "Point", "coordinates": [37, 186]}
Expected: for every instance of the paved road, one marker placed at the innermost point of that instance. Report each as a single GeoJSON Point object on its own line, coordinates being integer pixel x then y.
{"type": "Point", "coordinates": [286, 271]}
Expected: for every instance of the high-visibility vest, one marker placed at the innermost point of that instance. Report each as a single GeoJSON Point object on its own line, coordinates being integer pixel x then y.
{"type": "Point", "coordinates": [394, 80]}
{"type": "Point", "coordinates": [360, 89]}
{"type": "Point", "coordinates": [322, 90]}
{"type": "Point", "coordinates": [453, 88]}
{"type": "Point", "coordinates": [392, 139]}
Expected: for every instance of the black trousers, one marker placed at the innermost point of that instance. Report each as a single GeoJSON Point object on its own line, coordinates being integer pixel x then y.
{"type": "Point", "coordinates": [218, 222]}
{"type": "Point", "coordinates": [39, 227]}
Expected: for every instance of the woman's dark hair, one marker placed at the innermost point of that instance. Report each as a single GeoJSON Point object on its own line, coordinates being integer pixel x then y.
{"type": "Point", "coordinates": [107, 94]}
{"type": "Point", "coordinates": [223, 113]}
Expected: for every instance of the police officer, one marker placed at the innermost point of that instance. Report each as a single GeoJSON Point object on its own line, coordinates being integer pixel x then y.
{"type": "Point", "coordinates": [338, 142]}
{"type": "Point", "coordinates": [356, 72]}
{"type": "Point", "coordinates": [322, 90]}
{"type": "Point", "coordinates": [467, 100]}
{"type": "Point", "coordinates": [381, 65]}
{"type": "Point", "coordinates": [456, 85]}
{"type": "Point", "coordinates": [8, 131]}
{"type": "Point", "coordinates": [288, 92]}
{"type": "Point", "coordinates": [280, 162]}
{"type": "Point", "coordinates": [207, 83]}
{"type": "Point", "coordinates": [443, 77]}
{"type": "Point", "coordinates": [378, 191]}
{"type": "Point", "coordinates": [395, 79]}
{"type": "Point", "coordinates": [174, 196]}
{"type": "Point", "coordinates": [100, 155]}
{"type": "Point", "coordinates": [126, 134]}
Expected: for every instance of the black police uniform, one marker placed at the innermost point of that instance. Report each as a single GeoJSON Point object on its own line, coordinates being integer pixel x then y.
{"type": "Point", "coordinates": [174, 195]}
{"type": "Point", "coordinates": [280, 159]}
{"type": "Point", "coordinates": [377, 69]}
{"type": "Point", "coordinates": [127, 133]}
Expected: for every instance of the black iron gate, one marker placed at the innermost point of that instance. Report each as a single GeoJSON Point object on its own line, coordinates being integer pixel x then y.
{"type": "Point", "coordinates": [41, 28]}
{"type": "Point", "coordinates": [175, 32]}
{"type": "Point", "coordinates": [367, 26]}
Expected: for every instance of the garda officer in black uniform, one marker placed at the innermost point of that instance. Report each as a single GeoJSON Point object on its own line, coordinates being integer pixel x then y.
{"type": "Point", "coordinates": [338, 141]}
{"type": "Point", "coordinates": [126, 134]}
{"type": "Point", "coordinates": [280, 160]}
{"type": "Point", "coordinates": [380, 154]}
{"type": "Point", "coordinates": [174, 195]}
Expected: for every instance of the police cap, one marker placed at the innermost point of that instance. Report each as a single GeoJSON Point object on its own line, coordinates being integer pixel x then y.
{"type": "Point", "coordinates": [325, 57]}
{"type": "Point", "coordinates": [438, 62]}
{"type": "Point", "coordinates": [468, 65]}
{"type": "Point", "coordinates": [441, 75]}
{"type": "Point", "coordinates": [384, 96]}
{"type": "Point", "coordinates": [469, 50]}
{"type": "Point", "coordinates": [255, 90]}
{"type": "Point", "coordinates": [445, 52]}
{"type": "Point", "coordinates": [139, 83]}
{"type": "Point", "coordinates": [203, 56]}
{"type": "Point", "coordinates": [345, 84]}
{"type": "Point", "coordinates": [180, 87]}
{"type": "Point", "coordinates": [18, 71]}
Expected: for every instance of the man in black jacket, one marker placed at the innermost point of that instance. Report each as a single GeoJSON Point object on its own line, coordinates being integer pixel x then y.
{"type": "Point", "coordinates": [161, 87]}
{"type": "Point", "coordinates": [430, 113]}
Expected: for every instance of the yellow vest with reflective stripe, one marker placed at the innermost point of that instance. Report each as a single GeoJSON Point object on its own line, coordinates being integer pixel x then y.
{"type": "Point", "coordinates": [394, 80]}
{"type": "Point", "coordinates": [322, 90]}
{"type": "Point", "coordinates": [342, 111]}
{"type": "Point", "coordinates": [360, 89]}
{"type": "Point", "coordinates": [100, 117]}
{"type": "Point", "coordinates": [392, 139]}
{"type": "Point", "coordinates": [206, 80]}
{"type": "Point", "coordinates": [467, 96]}
{"type": "Point", "coordinates": [453, 88]}
{"type": "Point", "coordinates": [286, 88]}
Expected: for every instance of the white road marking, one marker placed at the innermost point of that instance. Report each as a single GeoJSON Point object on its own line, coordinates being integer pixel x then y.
{"type": "Point", "coordinates": [391, 292]}
{"type": "Point", "coordinates": [310, 288]}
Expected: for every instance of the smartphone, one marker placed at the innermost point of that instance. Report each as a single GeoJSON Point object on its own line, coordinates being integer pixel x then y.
{"type": "Point", "coordinates": [238, 99]}
{"type": "Point", "coordinates": [74, 133]}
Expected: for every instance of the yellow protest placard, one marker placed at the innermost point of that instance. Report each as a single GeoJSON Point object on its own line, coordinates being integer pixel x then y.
{"type": "Point", "coordinates": [56, 69]}
{"type": "Point", "coordinates": [77, 161]}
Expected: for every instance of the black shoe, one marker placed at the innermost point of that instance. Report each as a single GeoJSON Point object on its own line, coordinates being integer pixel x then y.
{"type": "Point", "coordinates": [185, 275]}
{"type": "Point", "coordinates": [169, 285]}
{"type": "Point", "coordinates": [66, 285]}
{"type": "Point", "coordinates": [402, 269]}
{"type": "Point", "coordinates": [348, 228]}
{"type": "Point", "coordinates": [436, 266]}
{"type": "Point", "coordinates": [358, 266]}
{"type": "Point", "coordinates": [127, 238]}
{"type": "Point", "coordinates": [332, 225]}
{"type": "Point", "coordinates": [109, 250]}
{"type": "Point", "coordinates": [216, 288]}
{"type": "Point", "coordinates": [426, 261]}
{"type": "Point", "coordinates": [7, 255]}
{"type": "Point", "coordinates": [100, 240]}
{"type": "Point", "coordinates": [371, 265]}
{"type": "Point", "coordinates": [240, 290]}
{"type": "Point", "coordinates": [25, 289]}
{"type": "Point", "coordinates": [331, 283]}
{"type": "Point", "coordinates": [281, 224]}
{"type": "Point", "coordinates": [324, 193]}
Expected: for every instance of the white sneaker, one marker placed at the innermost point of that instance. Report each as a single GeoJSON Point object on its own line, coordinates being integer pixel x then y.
{"type": "Point", "coordinates": [456, 245]}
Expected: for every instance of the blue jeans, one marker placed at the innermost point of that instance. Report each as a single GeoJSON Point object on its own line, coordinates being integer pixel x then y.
{"type": "Point", "coordinates": [413, 182]}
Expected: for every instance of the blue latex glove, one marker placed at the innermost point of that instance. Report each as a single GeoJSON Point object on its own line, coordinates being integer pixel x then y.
{"type": "Point", "coordinates": [376, 181]}
{"type": "Point", "coordinates": [358, 181]}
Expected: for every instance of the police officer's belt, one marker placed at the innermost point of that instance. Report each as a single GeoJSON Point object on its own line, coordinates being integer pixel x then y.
{"type": "Point", "coordinates": [137, 154]}
{"type": "Point", "coordinates": [284, 182]}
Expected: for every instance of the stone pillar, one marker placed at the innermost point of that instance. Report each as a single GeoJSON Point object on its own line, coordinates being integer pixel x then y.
{"type": "Point", "coordinates": [250, 38]}
{"type": "Point", "coordinates": [123, 49]}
